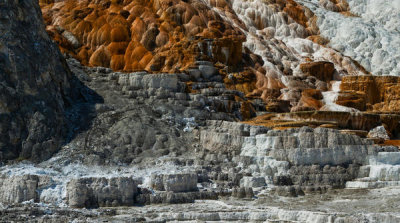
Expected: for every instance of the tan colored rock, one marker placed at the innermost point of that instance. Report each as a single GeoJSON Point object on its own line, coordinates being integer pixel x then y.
{"type": "Point", "coordinates": [322, 70]}
{"type": "Point", "coordinates": [134, 31]}
{"type": "Point", "coordinates": [310, 100]}
{"type": "Point", "coordinates": [17, 189]}
{"type": "Point", "coordinates": [352, 99]}
{"type": "Point", "coordinates": [381, 92]}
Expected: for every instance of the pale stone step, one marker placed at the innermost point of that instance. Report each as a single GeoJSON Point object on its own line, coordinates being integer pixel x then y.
{"type": "Point", "coordinates": [390, 158]}
{"type": "Point", "coordinates": [371, 185]}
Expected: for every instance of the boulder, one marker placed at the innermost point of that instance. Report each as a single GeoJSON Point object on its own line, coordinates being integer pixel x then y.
{"type": "Point", "coordinates": [207, 71]}
{"type": "Point", "coordinates": [101, 192]}
{"type": "Point", "coordinates": [322, 70]}
{"type": "Point", "coordinates": [180, 182]}
{"type": "Point", "coordinates": [17, 189]}
{"type": "Point", "coordinates": [379, 132]}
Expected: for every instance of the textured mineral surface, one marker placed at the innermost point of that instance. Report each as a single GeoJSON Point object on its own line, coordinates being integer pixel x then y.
{"type": "Point", "coordinates": [199, 111]}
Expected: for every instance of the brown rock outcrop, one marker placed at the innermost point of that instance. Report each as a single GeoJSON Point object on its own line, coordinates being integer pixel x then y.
{"type": "Point", "coordinates": [381, 92]}
{"type": "Point", "coordinates": [171, 35]}
{"type": "Point", "coordinates": [353, 99]}
{"type": "Point", "coordinates": [328, 119]}
{"type": "Point", "coordinates": [322, 70]}
{"type": "Point", "coordinates": [311, 100]}
{"type": "Point", "coordinates": [125, 35]}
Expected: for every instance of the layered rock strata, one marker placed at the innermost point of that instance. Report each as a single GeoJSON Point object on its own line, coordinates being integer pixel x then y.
{"type": "Point", "coordinates": [101, 192]}
{"type": "Point", "coordinates": [379, 94]}
{"type": "Point", "coordinates": [290, 162]}
{"type": "Point", "coordinates": [176, 150]}
{"type": "Point", "coordinates": [271, 50]}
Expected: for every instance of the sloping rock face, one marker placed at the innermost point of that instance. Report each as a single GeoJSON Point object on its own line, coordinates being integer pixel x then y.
{"type": "Point", "coordinates": [136, 35]}
{"type": "Point", "coordinates": [35, 84]}
{"type": "Point", "coordinates": [157, 141]}
{"type": "Point", "coordinates": [269, 50]}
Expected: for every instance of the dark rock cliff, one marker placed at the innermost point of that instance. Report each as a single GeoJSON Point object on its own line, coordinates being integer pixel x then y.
{"type": "Point", "coordinates": [36, 85]}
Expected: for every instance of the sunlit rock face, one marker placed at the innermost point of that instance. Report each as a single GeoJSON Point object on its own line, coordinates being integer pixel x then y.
{"type": "Point", "coordinates": [378, 93]}
{"type": "Point", "coordinates": [272, 50]}
{"type": "Point", "coordinates": [370, 37]}
{"type": "Point", "coordinates": [143, 35]}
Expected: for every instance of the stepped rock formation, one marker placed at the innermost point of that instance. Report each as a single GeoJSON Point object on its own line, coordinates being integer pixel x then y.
{"type": "Point", "coordinates": [36, 85]}
{"type": "Point", "coordinates": [219, 110]}
{"type": "Point", "coordinates": [271, 50]}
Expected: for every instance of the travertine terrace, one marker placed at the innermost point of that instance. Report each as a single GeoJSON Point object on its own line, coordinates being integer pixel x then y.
{"type": "Point", "coordinates": [199, 111]}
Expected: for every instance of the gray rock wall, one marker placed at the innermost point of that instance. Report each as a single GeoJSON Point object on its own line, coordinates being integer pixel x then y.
{"type": "Point", "coordinates": [181, 182]}
{"type": "Point", "coordinates": [227, 136]}
{"type": "Point", "coordinates": [101, 192]}
{"type": "Point", "coordinates": [35, 84]}
{"type": "Point", "coordinates": [18, 189]}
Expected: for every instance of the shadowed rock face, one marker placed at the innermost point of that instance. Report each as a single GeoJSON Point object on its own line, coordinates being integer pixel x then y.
{"type": "Point", "coordinates": [35, 84]}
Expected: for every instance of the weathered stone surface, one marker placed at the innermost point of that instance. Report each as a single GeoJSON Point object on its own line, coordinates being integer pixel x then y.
{"type": "Point", "coordinates": [360, 121]}
{"type": "Point", "coordinates": [322, 70]}
{"type": "Point", "coordinates": [207, 71]}
{"type": "Point", "coordinates": [310, 100]}
{"type": "Point", "coordinates": [158, 123]}
{"type": "Point", "coordinates": [227, 136]}
{"type": "Point", "coordinates": [381, 92]}
{"type": "Point", "coordinates": [17, 189]}
{"type": "Point", "coordinates": [146, 81]}
{"type": "Point", "coordinates": [242, 192]}
{"type": "Point", "coordinates": [252, 182]}
{"type": "Point", "coordinates": [71, 39]}
{"type": "Point", "coordinates": [101, 192]}
{"type": "Point", "coordinates": [180, 182]}
{"type": "Point", "coordinates": [174, 198]}
{"type": "Point", "coordinates": [136, 35]}
{"type": "Point", "coordinates": [304, 160]}
{"type": "Point", "coordinates": [352, 99]}
{"type": "Point", "coordinates": [379, 132]}
{"type": "Point", "coordinates": [36, 85]}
